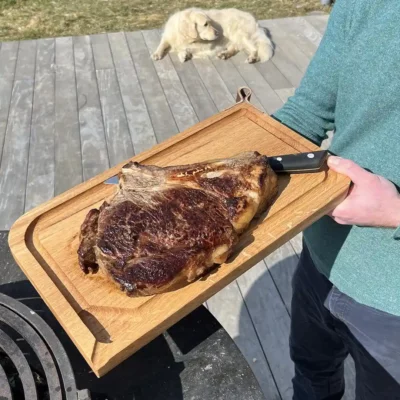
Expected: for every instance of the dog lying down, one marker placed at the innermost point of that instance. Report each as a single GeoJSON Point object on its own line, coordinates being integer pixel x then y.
{"type": "Point", "coordinates": [200, 33]}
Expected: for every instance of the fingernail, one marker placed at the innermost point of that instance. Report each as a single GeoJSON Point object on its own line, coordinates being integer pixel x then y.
{"type": "Point", "coordinates": [334, 160]}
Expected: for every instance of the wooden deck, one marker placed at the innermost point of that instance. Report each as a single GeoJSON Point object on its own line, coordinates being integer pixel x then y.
{"type": "Point", "coordinates": [72, 107]}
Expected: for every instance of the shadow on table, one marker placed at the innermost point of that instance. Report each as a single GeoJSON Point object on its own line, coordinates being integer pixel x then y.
{"type": "Point", "coordinates": [152, 373]}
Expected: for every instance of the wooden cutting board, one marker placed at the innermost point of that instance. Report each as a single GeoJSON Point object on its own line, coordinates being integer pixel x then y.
{"type": "Point", "coordinates": [106, 325]}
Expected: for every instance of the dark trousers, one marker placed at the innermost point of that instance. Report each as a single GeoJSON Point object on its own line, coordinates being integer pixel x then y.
{"type": "Point", "coordinates": [326, 326]}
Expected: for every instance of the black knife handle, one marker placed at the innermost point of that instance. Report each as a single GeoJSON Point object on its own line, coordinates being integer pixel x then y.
{"type": "Point", "coordinates": [312, 161]}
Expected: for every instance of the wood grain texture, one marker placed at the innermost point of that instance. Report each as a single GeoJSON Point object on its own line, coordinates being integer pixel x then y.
{"type": "Point", "coordinates": [178, 100]}
{"type": "Point", "coordinates": [255, 81]}
{"type": "Point", "coordinates": [101, 52]}
{"type": "Point", "coordinates": [140, 126]}
{"type": "Point", "coordinates": [232, 79]}
{"type": "Point", "coordinates": [272, 323]}
{"type": "Point", "coordinates": [93, 140]}
{"type": "Point", "coordinates": [303, 28]}
{"type": "Point", "coordinates": [14, 161]}
{"type": "Point", "coordinates": [288, 45]}
{"type": "Point", "coordinates": [40, 180]}
{"type": "Point", "coordinates": [219, 92]}
{"type": "Point", "coordinates": [273, 75]}
{"type": "Point", "coordinates": [25, 68]}
{"type": "Point", "coordinates": [119, 141]}
{"type": "Point", "coordinates": [319, 22]}
{"type": "Point", "coordinates": [297, 31]}
{"type": "Point", "coordinates": [288, 58]}
{"type": "Point", "coordinates": [93, 314]}
{"type": "Point", "coordinates": [194, 87]}
{"type": "Point", "coordinates": [231, 312]}
{"type": "Point", "coordinates": [160, 113]}
{"type": "Point", "coordinates": [8, 59]}
{"type": "Point", "coordinates": [289, 69]}
{"type": "Point", "coordinates": [67, 142]}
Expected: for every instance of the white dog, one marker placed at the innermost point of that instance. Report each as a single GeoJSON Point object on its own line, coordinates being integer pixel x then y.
{"type": "Point", "coordinates": [197, 33]}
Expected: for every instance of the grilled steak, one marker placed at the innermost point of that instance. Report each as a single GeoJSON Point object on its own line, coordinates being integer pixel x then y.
{"type": "Point", "coordinates": [165, 227]}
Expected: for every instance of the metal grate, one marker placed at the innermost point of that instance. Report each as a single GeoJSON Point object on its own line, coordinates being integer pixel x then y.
{"type": "Point", "coordinates": [33, 363]}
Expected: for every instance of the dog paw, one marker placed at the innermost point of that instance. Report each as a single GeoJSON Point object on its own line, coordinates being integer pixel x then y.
{"type": "Point", "coordinates": [251, 59]}
{"type": "Point", "coordinates": [156, 56]}
{"type": "Point", "coordinates": [223, 55]}
{"type": "Point", "coordinates": [184, 56]}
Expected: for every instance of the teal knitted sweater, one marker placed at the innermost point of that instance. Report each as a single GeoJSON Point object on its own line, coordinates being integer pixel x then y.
{"type": "Point", "coordinates": [352, 86]}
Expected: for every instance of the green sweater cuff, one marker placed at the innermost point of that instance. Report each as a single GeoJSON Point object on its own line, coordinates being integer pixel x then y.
{"type": "Point", "coordinates": [396, 234]}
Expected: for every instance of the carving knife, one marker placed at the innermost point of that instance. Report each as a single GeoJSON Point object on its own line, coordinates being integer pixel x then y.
{"type": "Point", "coordinates": [302, 163]}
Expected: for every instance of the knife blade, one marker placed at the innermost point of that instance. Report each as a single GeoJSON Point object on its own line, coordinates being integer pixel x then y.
{"type": "Point", "coordinates": [312, 161]}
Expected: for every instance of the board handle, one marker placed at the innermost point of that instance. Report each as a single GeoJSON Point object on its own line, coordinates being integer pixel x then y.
{"type": "Point", "coordinates": [243, 94]}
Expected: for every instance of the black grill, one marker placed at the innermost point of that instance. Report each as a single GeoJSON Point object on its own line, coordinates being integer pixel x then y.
{"type": "Point", "coordinates": [33, 363]}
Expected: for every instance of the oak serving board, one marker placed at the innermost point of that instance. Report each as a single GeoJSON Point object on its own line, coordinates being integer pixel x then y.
{"type": "Point", "coordinates": [105, 324]}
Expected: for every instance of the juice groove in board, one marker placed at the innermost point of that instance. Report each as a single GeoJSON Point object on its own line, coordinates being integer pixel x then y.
{"type": "Point", "coordinates": [44, 241]}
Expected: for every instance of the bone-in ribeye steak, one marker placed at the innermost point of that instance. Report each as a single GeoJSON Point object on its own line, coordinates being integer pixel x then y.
{"type": "Point", "coordinates": [168, 226]}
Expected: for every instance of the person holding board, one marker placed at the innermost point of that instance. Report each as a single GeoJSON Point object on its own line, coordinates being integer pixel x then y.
{"type": "Point", "coordinates": [346, 289]}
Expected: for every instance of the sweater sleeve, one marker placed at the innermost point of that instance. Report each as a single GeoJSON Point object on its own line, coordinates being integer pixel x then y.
{"type": "Point", "coordinates": [311, 110]}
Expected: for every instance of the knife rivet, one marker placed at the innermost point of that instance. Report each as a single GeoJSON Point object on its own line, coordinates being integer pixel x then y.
{"type": "Point", "coordinates": [279, 158]}
{"type": "Point", "coordinates": [310, 155]}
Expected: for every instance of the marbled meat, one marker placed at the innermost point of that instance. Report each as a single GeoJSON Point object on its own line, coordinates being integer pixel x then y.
{"type": "Point", "coordinates": [168, 226]}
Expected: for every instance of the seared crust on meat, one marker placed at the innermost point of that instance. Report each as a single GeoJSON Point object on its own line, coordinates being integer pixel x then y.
{"type": "Point", "coordinates": [165, 227]}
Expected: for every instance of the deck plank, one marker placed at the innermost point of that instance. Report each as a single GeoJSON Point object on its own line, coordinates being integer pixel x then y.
{"type": "Point", "coordinates": [281, 264]}
{"type": "Point", "coordinates": [40, 180]}
{"type": "Point", "coordinates": [140, 126]}
{"type": "Point", "coordinates": [8, 60]}
{"type": "Point", "coordinates": [288, 66]}
{"type": "Point", "coordinates": [119, 142]}
{"type": "Point", "coordinates": [303, 28]}
{"type": "Point", "coordinates": [93, 141]}
{"type": "Point", "coordinates": [178, 100]}
{"type": "Point", "coordinates": [160, 113]}
{"type": "Point", "coordinates": [14, 161]}
{"type": "Point", "coordinates": [288, 46]}
{"type": "Point", "coordinates": [299, 32]}
{"type": "Point", "coordinates": [232, 79]}
{"type": "Point", "coordinates": [255, 81]}
{"type": "Point", "coordinates": [284, 94]}
{"type": "Point", "coordinates": [272, 323]}
{"type": "Point", "coordinates": [297, 243]}
{"type": "Point", "coordinates": [25, 68]}
{"type": "Point", "coordinates": [229, 309]}
{"type": "Point", "coordinates": [273, 75]}
{"type": "Point", "coordinates": [319, 22]}
{"type": "Point", "coordinates": [68, 158]}
{"type": "Point", "coordinates": [194, 87]}
{"type": "Point", "coordinates": [219, 92]}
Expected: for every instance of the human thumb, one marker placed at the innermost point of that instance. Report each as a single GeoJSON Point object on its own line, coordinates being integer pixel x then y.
{"type": "Point", "coordinates": [349, 168]}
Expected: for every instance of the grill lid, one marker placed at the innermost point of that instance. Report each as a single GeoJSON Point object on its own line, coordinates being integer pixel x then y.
{"type": "Point", "coordinates": [33, 363]}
